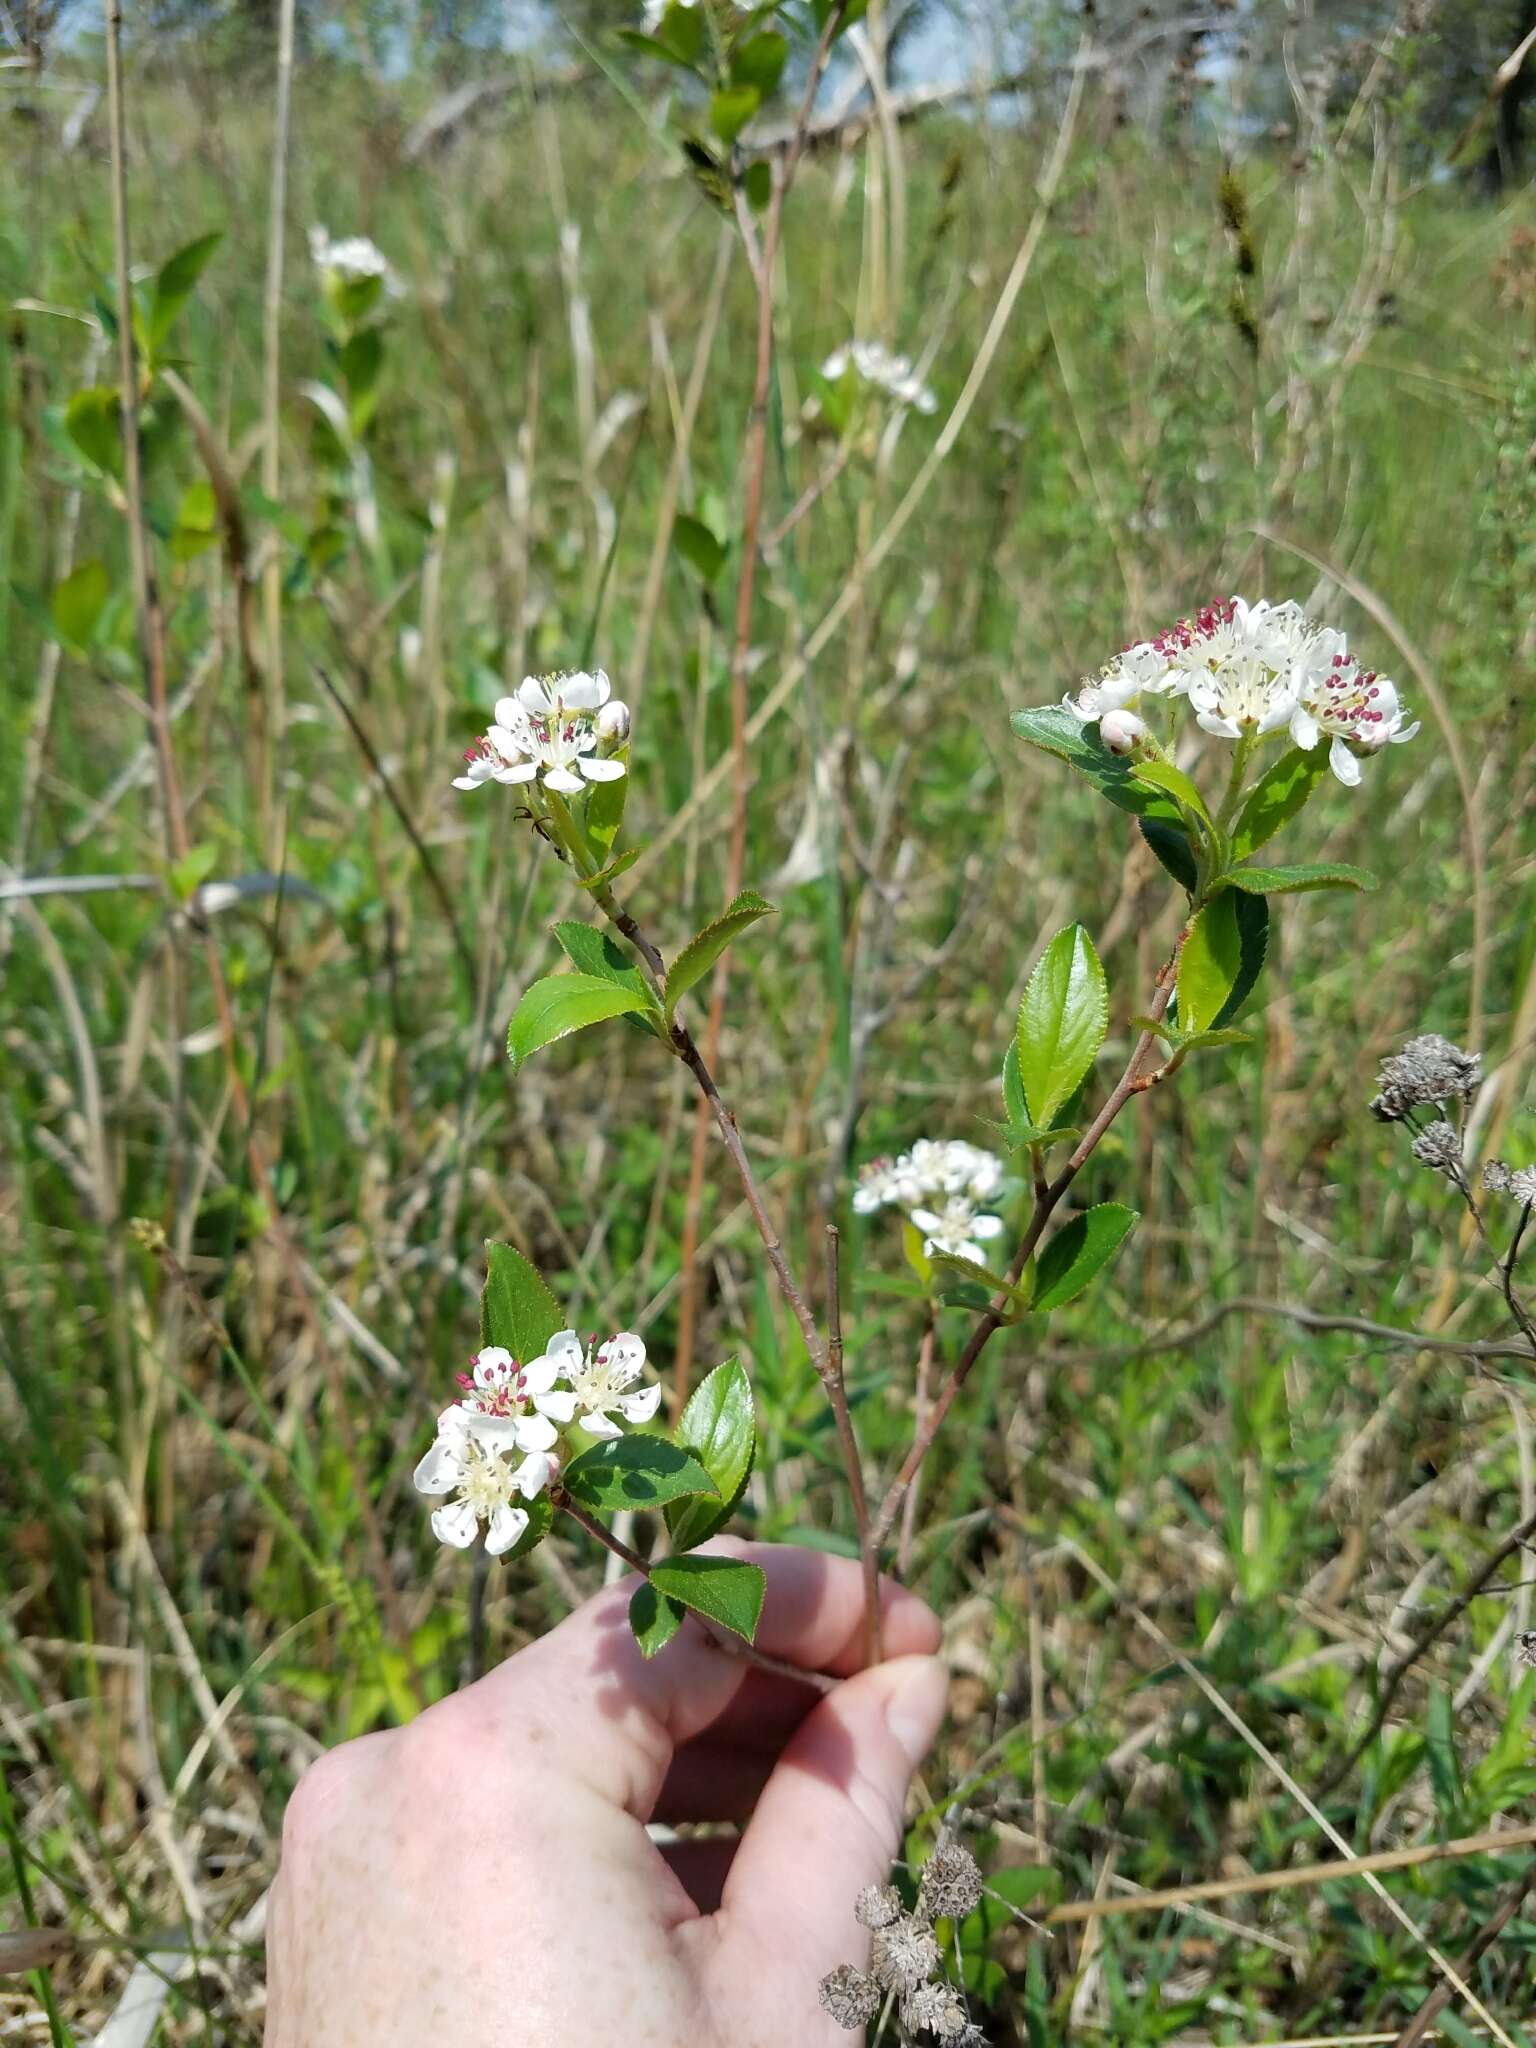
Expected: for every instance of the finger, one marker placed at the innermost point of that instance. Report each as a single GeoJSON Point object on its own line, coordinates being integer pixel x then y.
{"type": "Point", "coordinates": [702, 1868]}
{"type": "Point", "coordinates": [828, 1823]}
{"type": "Point", "coordinates": [708, 1780]}
{"type": "Point", "coordinates": [582, 1702]}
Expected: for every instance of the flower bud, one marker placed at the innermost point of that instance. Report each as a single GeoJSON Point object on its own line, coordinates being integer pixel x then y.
{"type": "Point", "coordinates": [613, 722]}
{"type": "Point", "coordinates": [1120, 731]}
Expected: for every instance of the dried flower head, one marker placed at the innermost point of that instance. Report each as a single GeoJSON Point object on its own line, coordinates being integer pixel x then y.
{"type": "Point", "coordinates": [904, 1955]}
{"type": "Point", "coordinates": [1429, 1069]}
{"type": "Point", "coordinates": [878, 1905]}
{"type": "Point", "coordinates": [1496, 1177]}
{"type": "Point", "coordinates": [848, 1996]}
{"type": "Point", "coordinates": [936, 2009]}
{"type": "Point", "coordinates": [1525, 1649]}
{"type": "Point", "coordinates": [951, 1883]}
{"type": "Point", "coordinates": [1522, 1184]}
{"type": "Point", "coordinates": [1438, 1146]}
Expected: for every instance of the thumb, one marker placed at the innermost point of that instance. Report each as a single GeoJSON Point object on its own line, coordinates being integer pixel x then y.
{"type": "Point", "coordinates": [828, 1823]}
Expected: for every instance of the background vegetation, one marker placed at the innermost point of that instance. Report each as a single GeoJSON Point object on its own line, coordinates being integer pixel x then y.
{"type": "Point", "coordinates": [1175, 1542]}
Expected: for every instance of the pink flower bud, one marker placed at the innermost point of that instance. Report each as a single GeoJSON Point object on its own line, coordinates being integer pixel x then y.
{"type": "Point", "coordinates": [613, 722]}
{"type": "Point", "coordinates": [1120, 730]}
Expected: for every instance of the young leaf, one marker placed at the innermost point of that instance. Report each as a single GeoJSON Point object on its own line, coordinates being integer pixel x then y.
{"type": "Point", "coordinates": [705, 948]}
{"type": "Point", "coordinates": [621, 861]}
{"type": "Point", "coordinates": [726, 1590]}
{"type": "Point", "coordinates": [78, 603]}
{"type": "Point", "coordinates": [1171, 845]}
{"type": "Point", "coordinates": [596, 955]}
{"type": "Point", "coordinates": [698, 546]}
{"type": "Point", "coordinates": [1062, 1021]}
{"type": "Point", "coordinates": [176, 283]}
{"type": "Point", "coordinates": [605, 807]}
{"type": "Point", "coordinates": [1055, 731]}
{"type": "Point", "coordinates": [1015, 1108]}
{"type": "Point", "coordinates": [759, 62]}
{"type": "Point", "coordinates": [994, 1283]}
{"type": "Point", "coordinates": [1208, 966]}
{"type": "Point", "coordinates": [1077, 1251]}
{"type": "Point", "coordinates": [93, 421]}
{"type": "Point", "coordinates": [197, 521]}
{"type": "Point", "coordinates": [1276, 797]}
{"type": "Point", "coordinates": [1253, 947]}
{"type": "Point", "coordinates": [654, 1619]}
{"type": "Point", "coordinates": [1175, 783]}
{"type": "Point", "coordinates": [517, 1310]}
{"type": "Point", "coordinates": [633, 1472]}
{"type": "Point", "coordinates": [1290, 881]}
{"type": "Point", "coordinates": [561, 1004]}
{"type": "Point", "coordinates": [717, 1428]}
{"type": "Point", "coordinates": [732, 109]}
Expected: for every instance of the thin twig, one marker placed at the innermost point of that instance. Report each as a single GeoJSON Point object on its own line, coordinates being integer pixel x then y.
{"type": "Point", "coordinates": [270, 709]}
{"type": "Point", "coordinates": [837, 1394]}
{"type": "Point", "coordinates": [1418, 2027]}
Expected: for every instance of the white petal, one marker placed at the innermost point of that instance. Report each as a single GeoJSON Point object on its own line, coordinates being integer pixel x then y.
{"type": "Point", "coordinates": [468, 781]}
{"type": "Point", "coordinates": [600, 1426]}
{"type": "Point", "coordinates": [1305, 730]}
{"type": "Point", "coordinates": [455, 1524]}
{"type": "Point", "coordinates": [533, 1475]}
{"type": "Point", "coordinates": [567, 1350]}
{"type": "Point", "coordinates": [987, 1226]}
{"type": "Point", "coordinates": [602, 687]}
{"type": "Point", "coordinates": [1344, 764]}
{"type": "Point", "coordinates": [866, 1201]}
{"type": "Point", "coordinates": [508, 740]}
{"type": "Point", "coordinates": [492, 1432]}
{"type": "Point", "coordinates": [639, 1407]}
{"type": "Point", "coordinates": [926, 1220]}
{"type": "Point", "coordinates": [1278, 715]}
{"type": "Point", "coordinates": [563, 780]}
{"type": "Point", "coordinates": [504, 1528]}
{"type": "Point", "coordinates": [1223, 728]}
{"type": "Point", "coordinates": [533, 697]}
{"type": "Point", "coordinates": [509, 711]}
{"type": "Point", "coordinates": [536, 1433]}
{"type": "Point", "coordinates": [440, 1470]}
{"type": "Point", "coordinates": [1406, 733]}
{"type": "Point", "coordinates": [579, 692]}
{"type": "Point", "coordinates": [540, 1374]}
{"type": "Point", "coordinates": [559, 1408]}
{"type": "Point", "coordinates": [520, 771]}
{"type": "Point", "coordinates": [600, 771]}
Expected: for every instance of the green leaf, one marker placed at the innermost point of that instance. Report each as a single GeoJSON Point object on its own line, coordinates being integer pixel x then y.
{"type": "Point", "coordinates": [1055, 731]}
{"type": "Point", "coordinates": [1171, 845]}
{"type": "Point", "coordinates": [855, 10]}
{"type": "Point", "coordinates": [1253, 939]}
{"type": "Point", "coordinates": [193, 869]}
{"type": "Point", "coordinates": [1441, 1757]}
{"type": "Point", "coordinates": [698, 546]}
{"type": "Point", "coordinates": [706, 946]}
{"type": "Point", "coordinates": [1015, 1108]}
{"type": "Point", "coordinates": [618, 864]}
{"type": "Point", "coordinates": [562, 1003]}
{"type": "Point", "coordinates": [636, 1471]}
{"type": "Point", "coordinates": [1175, 783]}
{"type": "Point", "coordinates": [717, 1428]}
{"type": "Point", "coordinates": [759, 62]}
{"type": "Point", "coordinates": [540, 1512]}
{"type": "Point", "coordinates": [1077, 1252]}
{"type": "Point", "coordinates": [1198, 1041]}
{"type": "Point", "coordinates": [1017, 1136]}
{"type": "Point", "coordinates": [176, 283]}
{"type": "Point", "coordinates": [1209, 964]}
{"type": "Point", "coordinates": [1062, 1022]}
{"type": "Point", "coordinates": [361, 363]}
{"type": "Point", "coordinates": [1276, 797]}
{"type": "Point", "coordinates": [197, 521]}
{"type": "Point", "coordinates": [605, 806]}
{"type": "Point", "coordinates": [93, 421]}
{"type": "Point", "coordinates": [757, 183]}
{"type": "Point", "coordinates": [654, 1619]}
{"type": "Point", "coordinates": [732, 109]}
{"type": "Point", "coordinates": [992, 1283]}
{"type": "Point", "coordinates": [680, 33]}
{"type": "Point", "coordinates": [1291, 881]}
{"type": "Point", "coordinates": [517, 1310]}
{"type": "Point", "coordinates": [79, 601]}
{"type": "Point", "coordinates": [601, 958]}
{"type": "Point", "coordinates": [726, 1590]}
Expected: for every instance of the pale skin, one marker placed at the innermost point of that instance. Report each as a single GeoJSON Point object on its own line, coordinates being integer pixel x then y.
{"type": "Point", "coordinates": [484, 1877]}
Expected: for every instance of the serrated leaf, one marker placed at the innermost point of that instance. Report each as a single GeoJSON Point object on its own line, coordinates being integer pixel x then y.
{"type": "Point", "coordinates": [706, 946]}
{"type": "Point", "coordinates": [517, 1310]}
{"type": "Point", "coordinates": [1291, 881]}
{"type": "Point", "coordinates": [1253, 938]}
{"type": "Point", "coordinates": [726, 1590]}
{"type": "Point", "coordinates": [1209, 964]}
{"type": "Point", "coordinates": [654, 1619]}
{"type": "Point", "coordinates": [636, 1471]}
{"type": "Point", "coordinates": [79, 601]}
{"type": "Point", "coordinates": [176, 283]}
{"type": "Point", "coordinates": [698, 547]}
{"type": "Point", "coordinates": [1015, 1108]}
{"type": "Point", "coordinates": [93, 421]}
{"type": "Point", "coordinates": [1062, 1021]}
{"type": "Point", "coordinates": [541, 1513]}
{"type": "Point", "coordinates": [1171, 845]}
{"type": "Point", "coordinates": [993, 1283]}
{"type": "Point", "coordinates": [717, 1427]}
{"type": "Point", "coordinates": [1276, 797]}
{"type": "Point", "coordinates": [562, 1003]}
{"type": "Point", "coordinates": [758, 61]}
{"type": "Point", "coordinates": [616, 866]}
{"type": "Point", "coordinates": [1173, 782]}
{"type": "Point", "coordinates": [1198, 1041]}
{"type": "Point", "coordinates": [1055, 731]}
{"type": "Point", "coordinates": [1016, 1136]}
{"type": "Point", "coordinates": [731, 110]}
{"type": "Point", "coordinates": [595, 954]}
{"type": "Point", "coordinates": [1078, 1251]}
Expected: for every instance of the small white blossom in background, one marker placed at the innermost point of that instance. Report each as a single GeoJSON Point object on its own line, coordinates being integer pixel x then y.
{"type": "Point", "coordinates": [501, 1442]}
{"type": "Point", "coordinates": [941, 1184]}
{"type": "Point", "coordinates": [551, 731]}
{"type": "Point", "coordinates": [350, 257]}
{"type": "Point", "coordinates": [878, 366]}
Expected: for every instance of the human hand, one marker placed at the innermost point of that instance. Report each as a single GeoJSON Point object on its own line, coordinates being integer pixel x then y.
{"type": "Point", "coordinates": [483, 1876]}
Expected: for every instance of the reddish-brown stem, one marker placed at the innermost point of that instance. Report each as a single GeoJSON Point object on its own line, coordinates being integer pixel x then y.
{"type": "Point", "coordinates": [919, 1417]}
{"type": "Point", "coordinates": [1131, 1082]}
{"type": "Point", "coordinates": [733, 1646]}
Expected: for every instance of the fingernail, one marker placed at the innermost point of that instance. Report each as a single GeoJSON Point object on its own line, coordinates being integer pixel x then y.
{"type": "Point", "coordinates": [916, 1706]}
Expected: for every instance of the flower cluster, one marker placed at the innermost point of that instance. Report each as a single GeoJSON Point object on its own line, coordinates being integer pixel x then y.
{"type": "Point", "coordinates": [349, 257]}
{"type": "Point", "coordinates": [551, 730]}
{"type": "Point", "coordinates": [1249, 670]}
{"type": "Point", "coordinates": [876, 365]}
{"type": "Point", "coordinates": [1500, 1178]}
{"type": "Point", "coordinates": [905, 1961]}
{"type": "Point", "coordinates": [941, 1184]}
{"type": "Point", "coordinates": [1427, 1072]}
{"type": "Point", "coordinates": [500, 1444]}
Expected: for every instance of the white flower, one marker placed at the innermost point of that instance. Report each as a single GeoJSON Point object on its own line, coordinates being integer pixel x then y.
{"type": "Point", "coordinates": [599, 1379]}
{"type": "Point", "coordinates": [476, 1472]}
{"type": "Point", "coordinates": [350, 257]}
{"type": "Point", "coordinates": [1136, 673]}
{"type": "Point", "coordinates": [889, 373]}
{"type": "Point", "coordinates": [550, 730]}
{"type": "Point", "coordinates": [880, 1183]}
{"type": "Point", "coordinates": [957, 1229]}
{"type": "Point", "coordinates": [1236, 662]}
{"type": "Point", "coordinates": [1358, 709]}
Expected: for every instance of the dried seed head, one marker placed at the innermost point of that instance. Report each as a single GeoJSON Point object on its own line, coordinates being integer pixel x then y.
{"type": "Point", "coordinates": [877, 1905]}
{"type": "Point", "coordinates": [1525, 1649]}
{"type": "Point", "coordinates": [904, 1955]}
{"type": "Point", "coordinates": [934, 2007]}
{"type": "Point", "coordinates": [1438, 1146]}
{"type": "Point", "coordinates": [848, 1996]}
{"type": "Point", "coordinates": [1496, 1177]}
{"type": "Point", "coordinates": [1522, 1185]}
{"type": "Point", "coordinates": [951, 1883]}
{"type": "Point", "coordinates": [1428, 1069]}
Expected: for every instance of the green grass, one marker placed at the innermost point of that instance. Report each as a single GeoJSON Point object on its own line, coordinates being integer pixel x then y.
{"type": "Point", "coordinates": [1279, 1501]}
